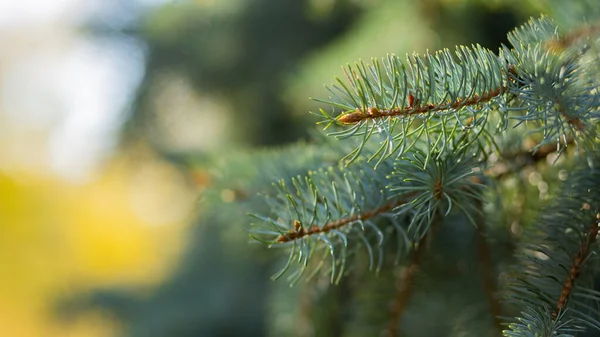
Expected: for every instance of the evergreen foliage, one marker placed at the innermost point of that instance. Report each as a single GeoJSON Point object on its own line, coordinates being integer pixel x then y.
{"type": "Point", "coordinates": [415, 217]}
{"type": "Point", "coordinates": [426, 137]}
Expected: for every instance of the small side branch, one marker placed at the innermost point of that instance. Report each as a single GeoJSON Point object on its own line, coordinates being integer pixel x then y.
{"type": "Point", "coordinates": [574, 36]}
{"type": "Point", "coordinates": [487, 272]}
{"type": "Point", "coordinates": [306, 308]}
{"type": "Point", "coordinates": [405, 282]}
{"type": "Point", "coordinates": [373, 113]}
{"type": "Point", "coordinates": [516, 162]}
{"type": "Point", "coordinates": [574, 121]}
{"type": "Point", "coordinates": [582, 254]}
{"type": "Point", "coordinates": [299, 231]}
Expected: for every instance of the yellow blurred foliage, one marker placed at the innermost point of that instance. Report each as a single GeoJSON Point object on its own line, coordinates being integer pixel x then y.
{"type": "Point", "coordinates": [59, 238]}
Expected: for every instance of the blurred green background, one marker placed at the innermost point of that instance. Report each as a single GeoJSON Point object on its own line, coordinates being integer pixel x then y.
{"type": "Point", "coordinates": [112, 114]}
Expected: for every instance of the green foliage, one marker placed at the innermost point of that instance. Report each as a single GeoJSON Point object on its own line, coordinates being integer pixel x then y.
{"type": "Point", "coordinates": [319, 204]}
{"type": "Point", "coordinates": [437, 185]}
{"type": "Point", "coordinates": [558, 248]}
{"type": "Point", "coordinates": [437, 190]}
{"type": "Point", "coordinates": [433, 92]}
{"type": "Point", "coordinates": [432, 123]}
{"type": "Point", "coordinates": [435, 96]}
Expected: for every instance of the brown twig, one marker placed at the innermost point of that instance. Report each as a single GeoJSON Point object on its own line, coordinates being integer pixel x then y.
{"type": "Point", "coordinates": [515, 162]}
{"type": "Point", "coordinates": [582, 254]}
{"type": "Point", "coordinates": [404, 288]}
{"type": "Point", "coordinates": [487, 272]}
{"type": "Point", "coordinates": [575, 121]}
{"type": "Point", "coordinates": [405, 281]}
{"type": "Point", "coordinates": [299, 231]}
{"type": "Point", "coordinates": [306, 306]}
{"type": "Point", "coordinates": [564, 42]}
{"type": "Point", "coordinates": [372, 112]}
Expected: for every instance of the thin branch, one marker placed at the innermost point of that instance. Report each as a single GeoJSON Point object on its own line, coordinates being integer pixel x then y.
{"type": "Point", "coordinates": [566, 41]}
{"type": "Point", "coordinates": [299, 231]}
{"type": "Point", "coordinates": [372, 112]}
{"type": "Point", "coordinates": [487, 272]}
{"type": "Point", "coordinates": [582, 254]}
{"type": "Point", "coordinates": [575, 121]}
{"type": "Point", "coordinates": [405, 282]}
{"type": "Point", "coordinates": [515, 162]}
{"type": "Point", "coordinates": [306, 306]}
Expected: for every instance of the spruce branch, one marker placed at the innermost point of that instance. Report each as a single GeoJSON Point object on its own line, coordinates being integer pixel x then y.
{"type": "Point", "coordinates": [429, 122]}
{"type": "Point", "coordinates": [334, 208]}
{"type": "Point", "coordinates": [583, 253]}
{"type": "Point", "coordinates": [553, 98]}
{"type": "Point", "coordinates": [535, 31]}
{"type": "Point", "coordinates": [432, 96]}
{"type": "Point", "coordinates": [335, 211]}
{"type": "Point", "coordinates": [553, 92]}
{"type": "Point", "coordinates": [557, 260]}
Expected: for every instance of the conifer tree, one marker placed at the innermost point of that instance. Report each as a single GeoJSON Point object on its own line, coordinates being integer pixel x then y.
{"type": "Point", "coordinates": [410, 233]}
